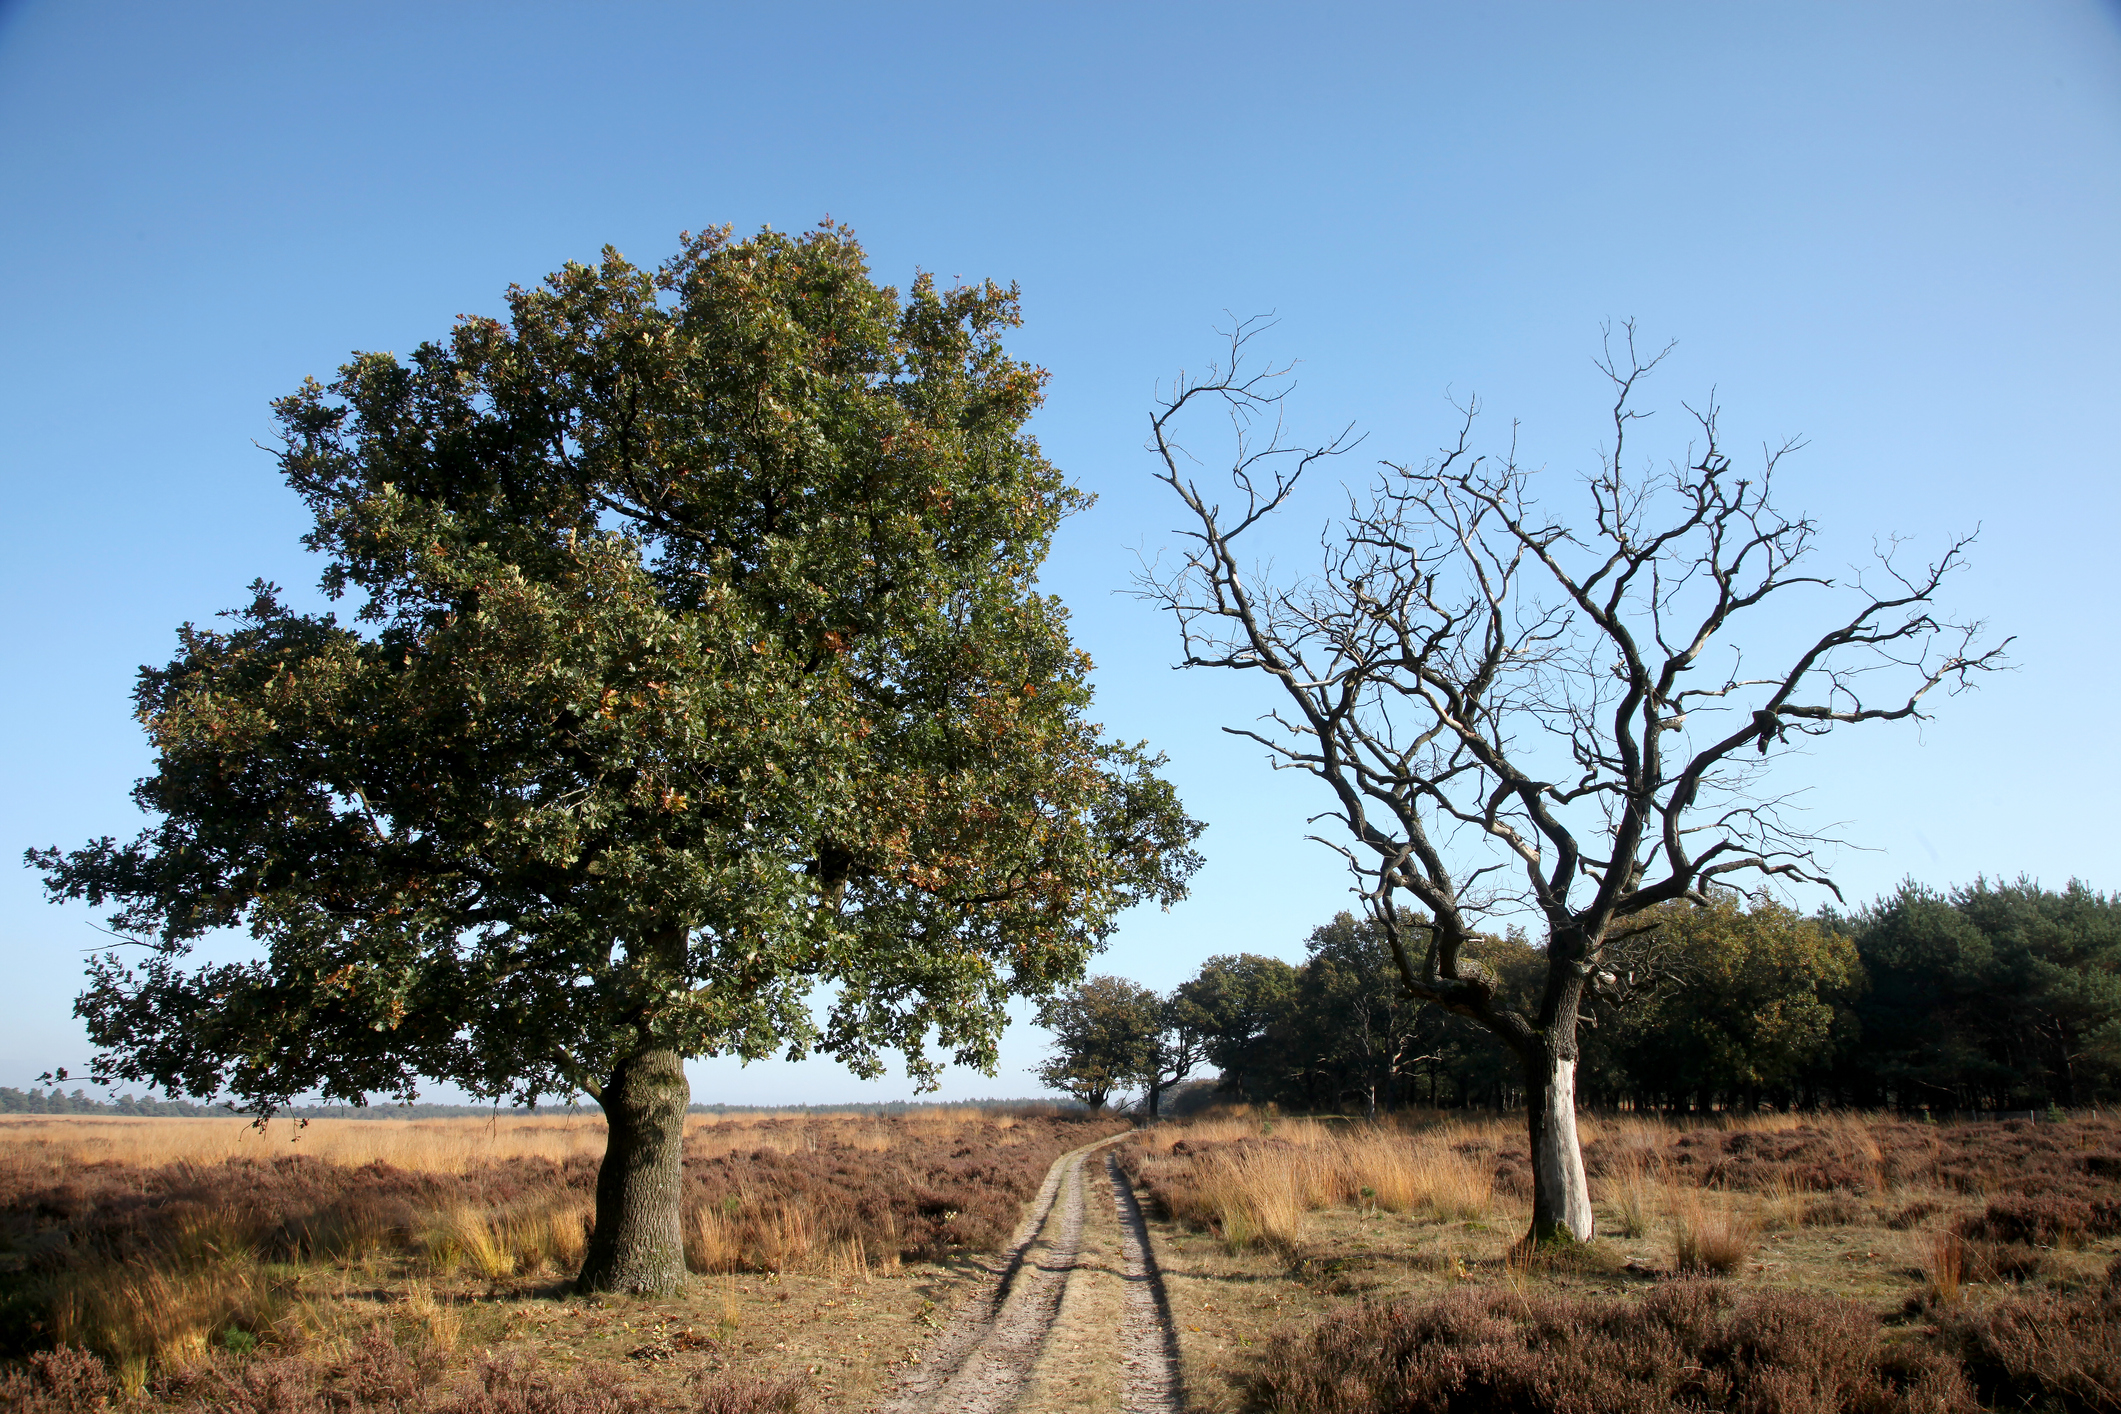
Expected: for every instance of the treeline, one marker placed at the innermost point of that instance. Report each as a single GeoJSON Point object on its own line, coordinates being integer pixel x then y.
{"type": "Point", "coordinates": [37, 1102]}
{"type": "Point", "coordinates": [1990, 996]}
{"type": "Point", "coordinates": [57, 1102]}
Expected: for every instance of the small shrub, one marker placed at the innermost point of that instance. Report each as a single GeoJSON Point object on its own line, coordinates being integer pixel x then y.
{"type": "Point", "coordinates": [2011, 1262]}
{"type": "Point", "coordinates": [379, 1372]}
{"type": "Point", "coordinates": [752, 1396]}
{"type": "Point", "coordinates": [1833, 1210]}
{"type": "Point", "coordinates": [2046, 1220]}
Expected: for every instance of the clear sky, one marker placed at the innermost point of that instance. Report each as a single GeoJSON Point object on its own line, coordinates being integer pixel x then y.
{"type": "Point", "coordinates": [1892, 229]}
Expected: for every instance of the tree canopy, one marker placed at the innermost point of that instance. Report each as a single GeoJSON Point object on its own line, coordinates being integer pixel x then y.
{"type": "Point", "coordinates": [1104, 1039]}
{"type": "Point", "coordinates": [695, 661]}
{"type": "Point", "coordinates": [1232, 1002]}
{"type": "Point", "coordinates": [1993, 994]}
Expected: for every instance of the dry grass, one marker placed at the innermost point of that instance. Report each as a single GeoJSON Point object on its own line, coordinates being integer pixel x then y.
{"type": "Point", "coordinates": [144, 1319]}
{"type": "Point", "coordinates": [218, 1252]}
{"type": "Point", "coordinates": [1632, 1188]}
{"type": "Point", "coordinates": [56, 1144]}
{"type": "Point", "coordinates": [1941, 1259]}
{"type": "Point", "coordinates": [1982, 1239]}
{"type": "Point", "coordinates": [1709, 1239]}
{"type": "Point", "coordinates": [1253, 1187]}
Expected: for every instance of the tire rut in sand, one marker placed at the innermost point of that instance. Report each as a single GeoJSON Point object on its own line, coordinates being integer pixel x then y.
{"type": "Point", "coordinates": [1076, 1320]}
{"type": "Point", "coordinates": [982, 1361]}
{"type": "Point", "coordinates": [1149, 1337]}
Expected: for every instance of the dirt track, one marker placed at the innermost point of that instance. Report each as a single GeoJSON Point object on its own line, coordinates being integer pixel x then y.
{"type": "Point", "coordinates": [1075, 1318]}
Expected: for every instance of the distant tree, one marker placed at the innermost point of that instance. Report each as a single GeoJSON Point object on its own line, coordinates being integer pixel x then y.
{"type": "Point", "coordinates": [2059, 955]}
{"type": "Point", "coordinates": [1175, 1051]}
{"type": "Point", "coordinates": [696, 663]}
{"type": "Point", "coordinates": [1346, 1033]}
{"type": "Point", "coordinates": [1105, 1034]}
{"type": "Point", "coordinates": [1232, 1003]}
{"type": "Point", "coordinates": [1351, 1032]}
{"type": "Point", "coordinates": [1990, 995]}
{"type": "Point", "coordinates": [1750, 1000]}
{"type": "Point", "coordinates": [1585, 703]}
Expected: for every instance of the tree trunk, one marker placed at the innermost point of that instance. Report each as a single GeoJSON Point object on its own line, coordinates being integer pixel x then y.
{"type": "Point", "coordinates": [1561, 1195]}
{"type": "Point", "coordinates": [639, 1242]}
{"type": "Point", "coordinates": [1156, 1093]}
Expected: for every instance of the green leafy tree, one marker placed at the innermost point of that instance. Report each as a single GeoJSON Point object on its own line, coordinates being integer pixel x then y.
{"type": "Point", "coordinates": [1232, 1004]}
{"type": "Point", "coordinates": [1346, 1033]}
{"type": "Point", "coordinates": [1175, 1050]}
{"type": "Point", "coordinates": [1751, 1000]}
{"type": "Point", "coordinates": [695, 664]}
{"type": "Point", "coordinates": [1104, 1039]}
{"type": "Point", "coordinates": [1990, 995]}
{"type": "Point", "coordinates": [1350, 1032]}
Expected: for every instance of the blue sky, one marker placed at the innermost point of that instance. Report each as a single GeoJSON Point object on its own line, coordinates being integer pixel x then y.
{"type": "Point", "coordinates": [1888, 228]}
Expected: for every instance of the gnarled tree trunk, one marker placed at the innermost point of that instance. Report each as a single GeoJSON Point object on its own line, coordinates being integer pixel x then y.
{"type": "Point", "coordinates": [639, 1242]}
{"type": "Point", "coordinates": [1561, 1195]}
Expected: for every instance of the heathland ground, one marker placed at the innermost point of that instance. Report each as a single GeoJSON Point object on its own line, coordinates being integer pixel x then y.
{"type": "Point", "coordinates": [1773, 1262]}
{"type": "Point", "coordinates": [197, 1258]}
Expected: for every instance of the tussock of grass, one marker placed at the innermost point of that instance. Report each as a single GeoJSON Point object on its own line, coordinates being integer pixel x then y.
{"type": "Point", "coordinates": [142, 1319]}
{"type": "Point", "coordinates": [1709, 1240]}
{"type": "Point", "coordinates": [1942, 1262]}
{"type": "Point", "coordinates": [1632, 1188]}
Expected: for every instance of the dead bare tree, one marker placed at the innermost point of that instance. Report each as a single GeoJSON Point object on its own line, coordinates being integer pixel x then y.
{"type": "Point", "coordinates": [1493, 693]}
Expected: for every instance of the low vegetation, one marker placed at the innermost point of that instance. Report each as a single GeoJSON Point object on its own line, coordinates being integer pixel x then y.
{"type": "Point", "coordinates": [1684, 1344]}
{"type": "Point", "coordinates": [1253, 1181]}
{"type": "Point", "coordinates": [1767, 1262]}
{"type": "Point", "coordinates": [186, 1254]}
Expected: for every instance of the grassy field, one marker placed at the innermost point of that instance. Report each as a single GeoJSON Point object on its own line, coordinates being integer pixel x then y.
{"type": "Point", "coordinates": [1771, 1263]}
{"type": "Point", "coordinates": [414, 1265]}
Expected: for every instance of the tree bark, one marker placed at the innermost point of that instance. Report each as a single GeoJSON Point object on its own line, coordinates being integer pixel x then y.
{"type": "Point", "coordinates": [639, 1243]}
{"type": "Point", "coordinates": [1561, 1195]}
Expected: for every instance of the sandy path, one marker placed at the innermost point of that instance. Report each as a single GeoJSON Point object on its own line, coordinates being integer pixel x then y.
{"type": "Point", "coordinates": [1149, 1337]}
{"type": "Point", "coordinates": [1075, 1319]}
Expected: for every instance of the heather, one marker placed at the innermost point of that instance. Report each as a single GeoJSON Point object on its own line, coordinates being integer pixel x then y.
{"type": "Point", "coordinates": [1690, 1344]}
{"type": "Point", "coordinates": [1700, 1345]}
{"type": "Point", "coordinates": [1745, 1261]}
{"type": "Point", "coordinates": [159, 1268]}
{"type": "Point", "coordinates": [377, 1376]}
